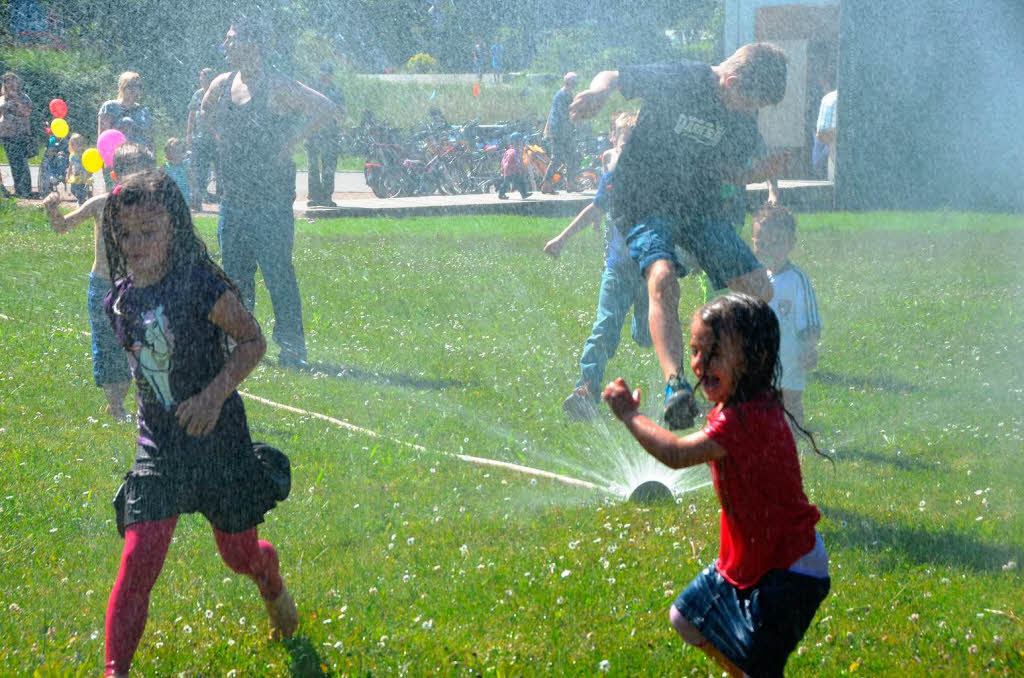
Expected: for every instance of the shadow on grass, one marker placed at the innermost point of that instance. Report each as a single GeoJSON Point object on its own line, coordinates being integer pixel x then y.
{"type": "Point", "coordinates": [861, 381]}
{"type": "Point", "coordinates": [901, 462]}
{"type": "Point", "coordinates": [305, 662]}
{"type": "Point", "coordinates": [919, 545]}
{"type": "Point", "coordinates": [363, 376]}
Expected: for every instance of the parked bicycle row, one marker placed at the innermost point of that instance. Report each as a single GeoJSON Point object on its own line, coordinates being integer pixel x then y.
{"type": "Point", "coordinates": [438, 157]}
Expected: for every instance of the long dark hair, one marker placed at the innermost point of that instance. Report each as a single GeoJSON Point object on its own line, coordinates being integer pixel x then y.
{"type": "Point", "coordinates": [155, 189]}
{"type": "Point", "coordinates": [752, 325]}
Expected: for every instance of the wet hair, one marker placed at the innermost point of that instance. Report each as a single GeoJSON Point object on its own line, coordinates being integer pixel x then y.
{"type": "Point", "coordinates": [751, 324]}
{"type": "Point", "coordinates": [254, 28]}
{"type": "Point", "coordinates": [125, 80]}
{"type": "Point", "coordinates": [624, 120]}
{"type": "Point", "coordinates": [776, 217]}
{"type": "Point", "coordinates": [173, 145]}
{"type": "Point", "coordinates": [8, 76]}
{"type": "Point", "coordinates": [154, 189]}
{"type": "Point", "coordinates": [130, 158]}
{"type": "Point", "coordinates": [761, 69]}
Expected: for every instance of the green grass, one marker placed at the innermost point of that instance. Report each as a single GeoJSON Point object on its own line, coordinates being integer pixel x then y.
{"type": "Point", "coordinates": [457, 334]}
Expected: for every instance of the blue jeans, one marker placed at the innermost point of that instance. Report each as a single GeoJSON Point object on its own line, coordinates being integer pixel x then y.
{"type": "Point", "coordinates": [109, 360]}
{"type": "Point", "coordinates": [622, 287]}
{"type": "Point", "coordinates": [263, 235]}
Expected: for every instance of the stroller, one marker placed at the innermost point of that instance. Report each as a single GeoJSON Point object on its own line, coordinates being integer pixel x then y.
{"type": "Point", "coordinates": [53, 171]}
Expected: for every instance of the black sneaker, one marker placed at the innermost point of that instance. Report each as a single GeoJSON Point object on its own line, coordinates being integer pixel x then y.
{"type": "Point", "coordinates": [502, 196]}
{"type": "Point", "coordinates": [680, 405]}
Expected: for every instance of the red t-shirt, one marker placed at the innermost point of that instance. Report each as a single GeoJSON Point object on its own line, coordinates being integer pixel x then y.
{"type": "Point", "coordinates": [766, 523]}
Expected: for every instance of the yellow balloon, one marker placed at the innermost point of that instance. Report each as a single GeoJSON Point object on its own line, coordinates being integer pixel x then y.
{"type": "Point", "coordinates": [92, 161]}
{"type": "Point", "coordinates": [59, 127]}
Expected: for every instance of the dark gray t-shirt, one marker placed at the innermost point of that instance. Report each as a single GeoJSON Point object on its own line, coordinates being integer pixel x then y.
{"type": "Point", "coordinates": [175, 351]}
{"type": "Point", "coordinates": [685, 144]}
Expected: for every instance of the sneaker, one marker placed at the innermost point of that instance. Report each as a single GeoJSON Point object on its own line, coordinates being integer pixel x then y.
{"type": "Point", "coordinates": [680, 405]}
{"type": "Point", "coordinates": [284, 616]}
{"type": "Point", "coordinates": [526, 195]}
{"type": "Point", "coordinates": [580, 405]}
{"type": "Point", "coordinates": [292, 361]}
{"type": "Point", "coordinates": [502, 196]}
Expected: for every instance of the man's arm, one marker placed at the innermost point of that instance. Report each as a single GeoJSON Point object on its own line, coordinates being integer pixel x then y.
{"type": "Point", "coordinates": [589, 102]}
{"type": "Point", "coordinates": [207, 119]}
{"type": "Point", "coordinates": [313, 108]}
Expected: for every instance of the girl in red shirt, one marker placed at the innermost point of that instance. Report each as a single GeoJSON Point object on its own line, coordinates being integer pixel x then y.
{"type": "Point", "coordinates": [750, 608]}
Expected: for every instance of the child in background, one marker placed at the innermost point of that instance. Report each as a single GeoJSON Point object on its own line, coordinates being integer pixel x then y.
{"type": "Point", "coordinates": [77, 179]}
{"type": "Point", "coordinates": [794, 303]}
{"type": "Point", "coordinates": [177, 165]}
{"type": "Point", "coordinates": [109, 365]}
{"type": "Point", "coordinates": [55, 164]}
{"type": "Point", "coordinates": [174, 312]}
{"type": "Point", "coordinates": [750, 608]}
{"type": "Point", "coordinates": [513, 171]}
{"type": "Point", "coordinates": [622, 287]}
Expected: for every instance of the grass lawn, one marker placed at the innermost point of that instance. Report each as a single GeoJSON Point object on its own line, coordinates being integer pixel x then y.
{"type": "Point", "coordinates": [457, 335]}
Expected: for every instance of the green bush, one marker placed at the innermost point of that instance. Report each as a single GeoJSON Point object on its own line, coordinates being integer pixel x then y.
{"type": "Point", "coordinates": [79, 77]}
{"type": "Point", "coordinates": [421, 63]}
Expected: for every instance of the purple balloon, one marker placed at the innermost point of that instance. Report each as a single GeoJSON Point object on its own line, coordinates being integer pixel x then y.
{"type": "Point", "coordinates": [107, 143]}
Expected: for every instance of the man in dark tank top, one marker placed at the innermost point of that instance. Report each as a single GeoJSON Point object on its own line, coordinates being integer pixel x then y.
{"type": "Point", "coordinates": [257, 115]}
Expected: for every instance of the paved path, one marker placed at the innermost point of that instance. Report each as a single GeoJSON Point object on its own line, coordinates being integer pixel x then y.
{"type": "Point", "coordinates": [354, 198]}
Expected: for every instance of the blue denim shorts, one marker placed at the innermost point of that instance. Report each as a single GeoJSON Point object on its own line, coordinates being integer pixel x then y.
{"type": "Point", "coordinates": [712, 241]}
{"type": "Point", "coordinates": [109, 362]}
{"type": "Point", "coordinates": [756, 628]}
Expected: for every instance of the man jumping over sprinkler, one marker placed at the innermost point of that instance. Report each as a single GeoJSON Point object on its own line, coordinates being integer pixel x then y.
{"type": "Point", "coordinates": [696, 129]}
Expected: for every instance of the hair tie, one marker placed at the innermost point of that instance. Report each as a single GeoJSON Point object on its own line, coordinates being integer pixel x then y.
{"type": "Point", "coordinates": [117, 189]}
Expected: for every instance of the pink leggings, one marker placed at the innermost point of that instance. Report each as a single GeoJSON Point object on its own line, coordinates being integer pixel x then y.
{"type": "Point", "coordinates": [145, 547]}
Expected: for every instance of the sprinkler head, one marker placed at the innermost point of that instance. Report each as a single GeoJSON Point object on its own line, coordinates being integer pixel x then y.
{"type": "Point", "coordinates": [651, 492]}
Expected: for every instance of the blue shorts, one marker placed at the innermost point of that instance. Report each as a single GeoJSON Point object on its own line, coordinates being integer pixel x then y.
{"type": "Point", "coordinates": [756, 628]}
{"type": "Point", "coordinates": [712, 241]}
{"type": "Point", "coordinates": [109, 362]}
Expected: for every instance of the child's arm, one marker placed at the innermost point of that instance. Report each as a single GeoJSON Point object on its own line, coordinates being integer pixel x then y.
{"type": "Point", "coordinates": [588, 102]}
{"type": "Point", "coordinates": [199, 414]}
{"type": "Point", "coordinates": [589, 215]}
{"type": "Point", "coordinates": [810, 334]}
{"type": "Point", "coordinates": [809, 348]}
{"type": "Point", "coordinates": [92, 209]}
{"type": "Point", "coordinates": [691, 450]}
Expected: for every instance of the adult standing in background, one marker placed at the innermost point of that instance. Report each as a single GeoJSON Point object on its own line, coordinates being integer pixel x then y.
{"type": "Point", "coordinates": [562, 133]}
{"type": "Point", "coordinates": [323, 147]}
{"type": "Point", "coordinates": [497, 53]}
{"type": "Point", "coordinates": [15, 132]}
{"type": "Point", "coordinates": [257, 115]}
{"type": "Point", "coordinates": [127, 115]}
{"type": "Point", "coordinates": [825, 130]}
{"type": "Point", "coordinates": [199, 154]}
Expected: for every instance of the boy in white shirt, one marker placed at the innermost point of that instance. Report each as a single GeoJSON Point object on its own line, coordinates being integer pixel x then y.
{"type": "Point", "coordinates": [794, 303]}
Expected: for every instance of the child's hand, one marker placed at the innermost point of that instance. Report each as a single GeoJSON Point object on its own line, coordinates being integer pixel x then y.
{"type": "Point", "coordinates": [620, 400]}
{"type": "Point", "coordinates": [199, 414]}
{"type": "Point", "coordinates": [554, 247]}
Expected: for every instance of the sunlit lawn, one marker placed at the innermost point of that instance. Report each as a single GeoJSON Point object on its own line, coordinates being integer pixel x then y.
{"type": "Point", "coordinates": [459, 336]}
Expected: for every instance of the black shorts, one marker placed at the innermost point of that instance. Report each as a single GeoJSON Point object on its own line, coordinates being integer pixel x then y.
{"type": "Point", "coordinates": [232, 496]}
{"type": "Point", "coordinates": [756, 628]}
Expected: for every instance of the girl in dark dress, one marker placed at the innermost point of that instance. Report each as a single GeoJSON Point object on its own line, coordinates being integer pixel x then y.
{"type": "Point", "coordinates": [174, 310]}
